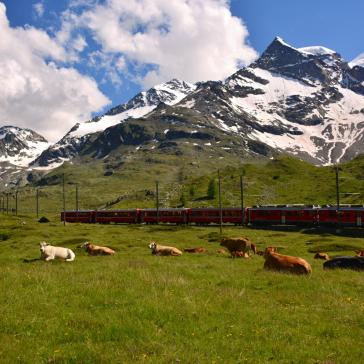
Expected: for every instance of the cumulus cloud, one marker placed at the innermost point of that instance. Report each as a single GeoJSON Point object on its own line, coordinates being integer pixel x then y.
{"type": "Point", "coordinates": [194, 40]}
{"type": "Point", "coordinates": [36, 92]}
{"type": "Point", "coordinates": [39, 9]}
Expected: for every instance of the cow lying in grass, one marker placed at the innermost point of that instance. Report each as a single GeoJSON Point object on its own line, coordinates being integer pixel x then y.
{"type": "Point", "coordinates": [359, 253]}
{"type": "Point", "coordinates": [322, 256]}
{"type": "Point", "coordinates": [93, 249]}
{"type": "Point", "coordinates": [50, 252]}
{"type": "Point", "coordinates": [285, 263]}
{"type": "Point", "coordinates": [164, 250]}
{"type": "Point", "coordinates": [235, 245]}
{"type": "Point", "coordinates": [355, 263]}
{"type": "Point", "coordinates": [239, 254]}
{"type": "Point", "coordinates": [195, 250]}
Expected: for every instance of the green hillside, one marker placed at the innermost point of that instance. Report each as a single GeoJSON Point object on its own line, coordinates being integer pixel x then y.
{"type": "Point", "coordinates": [128, 180]}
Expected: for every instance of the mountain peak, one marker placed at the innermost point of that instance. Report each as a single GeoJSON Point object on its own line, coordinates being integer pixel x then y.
{"type": "Point", "coordinates": [20, 146]}
{"type": "Point", "coordinates": [279, 40]}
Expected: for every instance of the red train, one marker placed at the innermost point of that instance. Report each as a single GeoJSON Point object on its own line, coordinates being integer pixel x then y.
{"type": "Point", "coordinates": [348, 215]}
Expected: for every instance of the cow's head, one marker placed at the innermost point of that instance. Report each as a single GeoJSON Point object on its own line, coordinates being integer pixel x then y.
{"type": "Point", "coordinates": [42, 246]}
{"type": "Point", "coordinates": [269, 250]}
{"type": "Point", "coordinates": [85, 244]}
{"type": "Point", "coordinates": [152, 245]}
{"type": "Point", "coordinates": [222, 242]}
{"type": "Point", "coordinates": [359, 253]}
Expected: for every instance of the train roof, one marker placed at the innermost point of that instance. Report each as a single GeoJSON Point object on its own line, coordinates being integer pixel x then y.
{"type": "Point", "coordinates": [166, 209]}
{"type": "Point", "coordinates": [118, 210]}
{"type": "Point", "coordinates": [214, 208]}
{"type": "Point", "coordinates": [343, 207]}
{"type": "Point", "coordinates": [78, 211]}
{"type": "Point", "coordinates": [286, 207]}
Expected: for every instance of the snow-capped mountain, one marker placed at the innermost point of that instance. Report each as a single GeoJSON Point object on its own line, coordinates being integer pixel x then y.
{"type": "Point", "coordinates": [305, 101]}
{"type": "Point", "coordinates": [308, 102]}
{"type": "Point", "coordinates": [169, 93]}
{"type": "Point", "coordinates": [20, 146]}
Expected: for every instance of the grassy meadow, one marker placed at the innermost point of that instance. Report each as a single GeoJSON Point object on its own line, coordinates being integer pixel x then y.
{"type": "Point", "coordinates": [208, 308]}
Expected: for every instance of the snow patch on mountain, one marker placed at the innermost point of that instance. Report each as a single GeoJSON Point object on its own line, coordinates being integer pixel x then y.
{"type": "Point", "coordinates": [139, 106]}
{"type": "Point", "coordinates": [316, 50]}
{"type": "Point", "coordinates": [358, 61]}
{"type": "Point", "coordinates": [339, 122]}
{"type": "Point", "coordinates": [169, 93]}
{"type": "Point", "coordinates": [20, 146]}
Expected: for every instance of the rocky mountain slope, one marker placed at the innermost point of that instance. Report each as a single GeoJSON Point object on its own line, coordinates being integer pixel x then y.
{"type": "Point", "coordinates": [143, 103]}
{"type": "Point", "coordinates": [20, 146]}
{"type": "Point", "coordinates": [308, 102]}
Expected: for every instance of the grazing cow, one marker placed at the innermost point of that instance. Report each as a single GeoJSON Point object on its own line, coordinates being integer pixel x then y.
{"type": "Point", "coordinates": [164, 250]}
{"type": "Point", "coordinates": [285, 263]}
{"type": "Point", "coordinates": [238, 245]}
{"type": "Point", "coordinates": [359, 253]}
{"type": "Point", "coordinates": [97, 250]}
{"type": "Point", "coordinates": [195, 250]}
{"type": "Point", "coordinates": [322, 256]}
{"type": "Point", "coordinates": [50, 252]}
{"type": "Point", "coordinates": [355, 263]}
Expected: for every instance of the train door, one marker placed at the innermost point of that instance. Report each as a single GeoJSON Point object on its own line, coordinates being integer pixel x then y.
{"type": "Point", "coordinates": [283, 218]}
{"type": "Point", "coordinates": [358, 219]}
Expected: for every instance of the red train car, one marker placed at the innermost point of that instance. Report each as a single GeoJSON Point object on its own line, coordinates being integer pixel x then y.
{"type": "Point", "coordinates": [283, 215]}
{"type": "Point", "coordinates": [204, 216]}
{"type": "Point", "coordinates": [117, 216]}
{"type": "Point", "coordinates": [85, 216]}
{"type": "Point", "coordinates": [348, 215]}
{"type": "Point", "coordinates": [172, 216]}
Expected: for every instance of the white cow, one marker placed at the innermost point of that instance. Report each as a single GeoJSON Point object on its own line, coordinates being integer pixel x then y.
{"type": "Point", "coordinates": [50, 252]}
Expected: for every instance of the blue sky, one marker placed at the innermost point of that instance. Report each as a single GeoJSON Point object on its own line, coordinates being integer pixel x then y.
{"type": "Point", "coordinates": [83, 57]}
{"type": "Point", "coordinates": [335, 24]}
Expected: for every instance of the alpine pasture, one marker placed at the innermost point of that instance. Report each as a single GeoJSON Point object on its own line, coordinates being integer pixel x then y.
{"type": "Point", "coordinates": [196, 308]}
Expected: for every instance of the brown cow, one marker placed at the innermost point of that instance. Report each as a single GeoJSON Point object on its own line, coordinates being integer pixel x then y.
{"type": "Point", "coordinates": [93, 249]}
{"type": "Point", "coordinates": [238, 245]}
{"type": "Point", "coordinates": [322, 256]}
{"type": "Point", "coordinates": [285, 263]}
{"type": "Point", "coordinates": [164, 250]}
{"type": "Point", "coordinates": [359, 253]}
{"type": "Point", "coordinates": [195, 250]}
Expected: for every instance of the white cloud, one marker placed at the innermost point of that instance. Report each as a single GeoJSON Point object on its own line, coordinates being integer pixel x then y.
{"type": "Point", "coordinates": [39, 9]}
{"type": "Point", "coordinates": [109, 65]}
{"type": "Point", "coordinates": [193, 40]}
{"type": "Point", "coordinates": [35, 91]}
